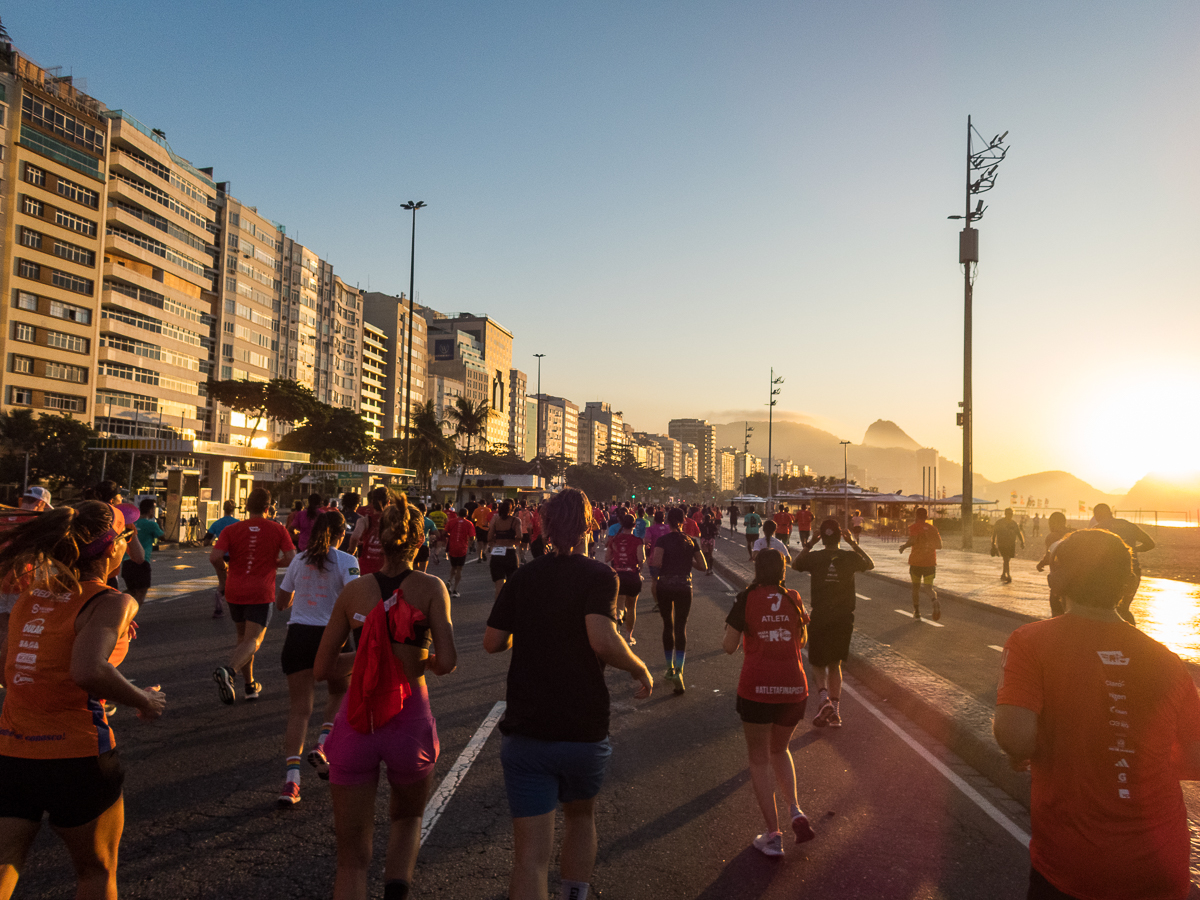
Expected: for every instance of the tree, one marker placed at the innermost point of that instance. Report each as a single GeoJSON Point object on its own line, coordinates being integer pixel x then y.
{"type": "Point", "coordinates": [331, 434]}
{"type": "Point", "coordinates": [430, 448]}
{"type": "Point", "coordinates": [278, 400]}
{"type": "Point", "coordinates": [597, 483]}
{"type": "Point", "coordinates": [470, 420]}
{"type": "Point", "coordinates": [20, 433]}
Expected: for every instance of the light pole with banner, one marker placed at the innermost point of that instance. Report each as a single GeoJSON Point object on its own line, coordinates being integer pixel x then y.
{"type": "Point", "coordinates": [414, 205]}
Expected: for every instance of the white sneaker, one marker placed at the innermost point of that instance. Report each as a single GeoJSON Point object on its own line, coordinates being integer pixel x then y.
{"type": "Point", "coordinates": [769, 844]}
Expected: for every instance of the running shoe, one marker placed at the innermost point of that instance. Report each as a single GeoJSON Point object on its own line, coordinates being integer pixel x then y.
{"type": "Point", "coordinates": [319, 761]}
{"type": "Point", "coordinates": [937, 610]}
{"type": "Point", "coordinates": [223, 676]}
{"type": "Point", "coordinates": [769, 844]}
{"type": "Point", "coordinates": [110, 709]}
{"type": "Point", "coordinates": [802, 829]}
{"type": "Point", "coordinates": [289, 796]}
{"type": "Point", "coordinates": [677, 678]}
{"type": "Point", "coordinates": [253, 690]}
{"type": "Point", "coordinates": [823, 715]}
{"type": "Point", "coordinates": [835, 720]}
{"type": "Point", "coordinates": [916, 613]}
{"type": "Point", "coordinates": [218, 613]}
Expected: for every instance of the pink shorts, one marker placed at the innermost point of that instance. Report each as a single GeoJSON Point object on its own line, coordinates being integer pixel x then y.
{"type": "Point", "coordinates": [407, 745]}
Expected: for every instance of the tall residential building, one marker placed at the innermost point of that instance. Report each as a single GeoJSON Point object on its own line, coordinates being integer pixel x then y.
{"type": "Point", "coordinates": [614, 428]}
{"type": "Point", "coordinates": [690, 461]}
{"type": "Point", "coordinates": [517, 386]}
{"type": "Point", "coordinates": [300, 298]}
{"type": "Point", "coordinates": [445, 391]}
{"type": "Point", "coordinates": [390, 314]}
{"type": "Point", "coordinates": [54, 191]}
{"type": "Point", "coordinates": [560, 427]}
{"type": "Point", "coordinates": [495, 342]}
{"type": "Point", "coordinates": [245, 301]}
{"type": "Point", "coordinates": [726, 469]}
{"type": "Point", "coordinates": [458, 362]}
{"type": "Point", "coordinates": [531, 430]}
{"type": "Point", "coordinates": [648, 451]}
{"type": "Point", "coordinates": [672, 457]}
{"type": "Point", "coordinates": [339, 358]}
{"type": "Point", "coordinates": [745, 464]}
{"type": "Point", "coordinates": [594, 440]}
{"type": "Point", "coordinates": [159, 273]}
{"type": "Point", "coordinates": [374, 377]}
{"type": "Point", "coordinates": [704, 437]}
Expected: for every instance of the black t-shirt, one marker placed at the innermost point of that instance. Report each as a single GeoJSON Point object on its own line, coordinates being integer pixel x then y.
{"type": "Point", "coordinates": [832, 574]}
{"type": "Point", "coordinates": [710, 531]}
{"type": "Point", "coordinates": [556, 689]}
{"type": "Point", "coordinates": [678, 550]}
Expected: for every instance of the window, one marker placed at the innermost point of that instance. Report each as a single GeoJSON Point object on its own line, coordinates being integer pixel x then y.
{"type": "Point", "coordinates": [72, 282]}
{"type": "Point", "coordinates": [57, 121]}
{"type": "Point", "coordinates": [74, 222]}
{"type": "Point", "coordinates": [70, 312]}
{"type": "Point", "coordinates": [63, 341]}
{"type": "Point", "coordinates": [26, 300]}
{"type": "Point", "coordinates": [227, 351]}
{"type": "Point", "coordinates": [31, 239]}
{"type": "Point", "coordinates": [34, 175]}
{"type": "Point", "coordinates": [63, 372]}
{"type": "Point", "coordinates": [229, 328]}
{"type": "Point", "coordinates": [231, 285]}
{"type": "Point", "coordinates": [64, 402]}
{"type": "Point", "coordinates": [22, 365]}
{"type": "Point", "coordinates": [226, 373]}
{"type": "Point", "coordinates": [27, 269]}
{"type": "Point", "coordinates": [233, 242]}
{"type": "Point", "coordinates": [78, 193]}
{"type": "Point", "coordinates": [24, 332]}
{"type": "Point", "coordinates": [22, 396]}
{"type": "Point", "coordinates": [74, 253]}
{"type": "Point", "coordinates": [32, 207]}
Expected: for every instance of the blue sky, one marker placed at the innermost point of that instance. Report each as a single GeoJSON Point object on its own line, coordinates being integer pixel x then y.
{"type": "Point", "coordinates": [669, 198]}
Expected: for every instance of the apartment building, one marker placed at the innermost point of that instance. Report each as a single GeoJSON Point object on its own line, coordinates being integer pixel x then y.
{"type": "Point", "coordinates": [531, 429]}
{"type": "Point", "coordinates": [672, 456]}
{"type": "Point", "coordinates": [54, 165]}
{"type": "Point", "coordinates": [689, 456]}
{"type": "Point", "coordinates": [458, 357]}
{"type": "Point", "coordinates": [559, 426]}
{"type": "Point", "coordinates": [614, 426]}
{"type": "Point", "coordinates": [390, 314]}
{"type": "Point", "coordinates": [703, 437]}
{"type": "Point", "coordinates": [445, 391]}
{"type": "Point", "coordinates": [726, 479]}
{"type": "Point", "coordinates": [495, 343]}
{"type": "Point", "coordinates": [745, 464]}
{"type": "Point", "coordinates": [374, 378]}
{"type": "Point", "coordinates": [518, 384]}
{"type": "Point", "coordinates": [594, 440]}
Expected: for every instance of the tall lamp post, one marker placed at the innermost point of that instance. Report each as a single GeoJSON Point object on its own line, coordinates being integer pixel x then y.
{"type": "Point", "coordinates": [540, 449]}
{"type": "Point", "coordinates": [746, 456]}
{"type": "Point", "coordinates": [412, 268]}
{"type": "Point", "coordinates": [982, 165]}
{"type": "Point", "coordinates": [845, 484]}
{"type": "Point", "coordinates": [775, 391]}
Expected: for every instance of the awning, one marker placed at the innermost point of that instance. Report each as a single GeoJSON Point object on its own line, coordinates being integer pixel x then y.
{"type": "Point", "coordinates": [182, 447]}
{"type": "Point", "coordinates": [357, 470]}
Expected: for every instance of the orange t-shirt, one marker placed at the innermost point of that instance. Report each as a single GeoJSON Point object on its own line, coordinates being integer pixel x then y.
{"type": "Point", "coordinates": [783, 523]}
{"type": "Point", "coordinates": [1114, 707]}
{"type": "Point", "coordinates": [46, 715]}
{"type": "Point", "coordinates": [926, 541]}
{"type": "Point", "coordinates": [482, 516]}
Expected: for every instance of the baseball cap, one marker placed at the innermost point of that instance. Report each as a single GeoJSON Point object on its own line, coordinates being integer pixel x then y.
{"type": "Point", "coordinates": [39, 493]}
{"type": "Point", "coordinates": [831, 528]}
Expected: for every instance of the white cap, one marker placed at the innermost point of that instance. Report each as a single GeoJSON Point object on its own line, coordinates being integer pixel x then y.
{"type": "Point", "coordinates": [39, 493]}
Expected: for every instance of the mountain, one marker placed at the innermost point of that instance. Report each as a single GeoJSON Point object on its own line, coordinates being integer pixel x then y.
{"type": "Point", "coordinates": [886, 433]}
{"type": "Point", "coordinates": [1162, 492]}
{"type": "Point", "coordinates": [1062, 489]}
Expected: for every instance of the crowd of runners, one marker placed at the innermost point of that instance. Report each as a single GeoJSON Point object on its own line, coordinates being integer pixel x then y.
{"type": "Point", "coordinates": [368, 621]}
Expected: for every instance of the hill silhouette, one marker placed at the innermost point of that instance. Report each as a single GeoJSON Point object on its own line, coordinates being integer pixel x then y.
{"type": "Point", "coordinates": [886, 433]}
{"type": "Point", "coordinates": [1163, 492]}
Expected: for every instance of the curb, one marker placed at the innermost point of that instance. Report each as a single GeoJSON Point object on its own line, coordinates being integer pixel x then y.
{"type": "Point", "coordinates": [947, 712]}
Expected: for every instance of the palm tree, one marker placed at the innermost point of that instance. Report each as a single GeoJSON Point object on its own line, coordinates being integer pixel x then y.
{"type": "Point", "coordinates": [470, 421]}
{"type": "Point", "coordinates": [431, 448]}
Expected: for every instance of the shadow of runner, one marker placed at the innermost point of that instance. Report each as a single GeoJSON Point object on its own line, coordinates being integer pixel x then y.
{"type": "Point", "coordinates": [748, 874]}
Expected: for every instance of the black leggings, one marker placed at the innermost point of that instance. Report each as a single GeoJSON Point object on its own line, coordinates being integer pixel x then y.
{"type": "Point", "coordinates": [674, 604]}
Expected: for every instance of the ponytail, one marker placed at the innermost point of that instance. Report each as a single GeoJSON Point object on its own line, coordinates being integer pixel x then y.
{"type": "Point", "coordinates": [46, 549]}
{"type": "Point", "coordinates": [401, 529]}
{"type": "Point", "coordinates": [328, 524]}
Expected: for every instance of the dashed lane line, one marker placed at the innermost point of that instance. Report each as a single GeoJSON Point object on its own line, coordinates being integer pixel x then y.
{"type": "Point", "coordinates": [923, 619]}
{"type": "Point", "coordinates": [729, 587]}
{"type": "Point", "coordinates": [996, 648]}
{"type": "Point", "coordinates": [441, 797]}
{"type": "Point", "coordinates": [973, 795]}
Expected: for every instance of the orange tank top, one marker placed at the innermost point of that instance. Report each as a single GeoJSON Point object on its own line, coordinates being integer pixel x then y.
{"type": "Point", "coordinates": [46, 715]}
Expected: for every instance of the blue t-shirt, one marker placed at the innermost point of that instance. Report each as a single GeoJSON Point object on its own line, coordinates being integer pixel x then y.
{"type": "Point", "coordinates": [220, 525]}
{"type": "Point", "coordinates": [614, 528]}
{"type": "Point", "coordinates": [430, 529]}
{"type": "Point", "coordinates": [640, 526]}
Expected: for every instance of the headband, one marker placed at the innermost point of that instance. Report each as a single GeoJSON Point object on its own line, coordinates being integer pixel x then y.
{"type": "Point", "coordinates": [98, 547]}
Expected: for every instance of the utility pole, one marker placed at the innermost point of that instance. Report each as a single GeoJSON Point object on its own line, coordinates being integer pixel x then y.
{"type": "Point", "coordinates": [982, 166]}
{"type": "Point", "coordinates": [412, 268]}
{"type": "Point", "coordinates": [540, 449]}
{"type": "Point", "coordinates": [746, 457]}
{"type": "Point", "coordinates": [845, 484]}
{"type": "Point", "coordinates": [775, 391]}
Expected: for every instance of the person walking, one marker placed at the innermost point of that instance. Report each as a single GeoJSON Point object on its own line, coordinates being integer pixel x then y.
{"type": "Point", "coordinates": [753, 524]}
{"type": "Point", "coordinates": [57, 752]}
{"type": "Point", "coordinates": [1057, 529]}
{"type": "Point", "coordinates": [257, 547]}
{"type": "Point", "coordinates": [1137, 540]}
{"type": "Point", "coordinates": [1005, 534]}
{"type": "Point", "coordinates": [1037, 524]}
{"type": "Point", "coordinates": [222, 566]}
{"type": "Point", "coordinates": [925, 541]}
{"type": "Point", "coordinates": [310, 587]}
{"type": "Point", "coordinates": [558, 616]}
{"type": "Point", "coordinates": [625, 552]}
{"type": "Point", "coordinates": [1107, 720]}
{"type": "Point", "coordinates": [385, 719]}
{"type": "Point", "coordinates": [768, 621]}
{"type": "Point", "coordinates": [675, 555]}
{"type": "Point", "coordinates": [831, 576]}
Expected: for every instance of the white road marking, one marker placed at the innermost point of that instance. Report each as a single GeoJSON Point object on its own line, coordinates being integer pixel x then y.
{"type": "Point", "coordinates": [441, 797]}
{"type": "Point", "coordinates": [994, 647]}
{"type": "Point", "coordinates": [183, 567]}
{"type": "Point", "coordinates": [165, 593]}
{"type": "Point", "coordinates": [973, 795]}
{"type": "Point", "coordinates": [925, 619]}
{"type": "Point", "coordinates": [862, 596]}
{"type": "Point", "coordinates": [729, 587]}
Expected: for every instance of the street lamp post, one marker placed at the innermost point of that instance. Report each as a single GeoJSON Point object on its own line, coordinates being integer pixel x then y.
{"type": "Point", "coordinates": [982, 166]}
{"type": "Point", "coordinates": [412, 268]}
{"type": "Point", "coordinates": [845, 484]}
{"type": "Point", "coordinates": [539, 450]}
{"type": "Point", "coordinates": [746, 457]}
{"type": "Point", "coordinates": [775, 391]}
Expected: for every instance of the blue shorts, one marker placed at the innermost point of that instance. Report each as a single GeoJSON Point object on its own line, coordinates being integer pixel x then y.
{"type": "Point", "coordinates": [538, 775]}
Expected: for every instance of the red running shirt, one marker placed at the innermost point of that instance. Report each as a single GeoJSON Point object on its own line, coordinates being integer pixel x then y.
{"type": "Point", "coordinates": [691, 527]}
{"type": "Point", "coordinates": [771, 620]}
{"type": "Point", "coordinates": [623, 552]}
{"type": "Point", "coordinates": [783, 523]}
{"type": "Point", "coordinates": [926, 541]}
{"type": "Point", "coordinates": [459, 535]}
{"type": "Point", "coordinates": [803, 520]}
{"type": "Point", "coordinates": [253, 546]}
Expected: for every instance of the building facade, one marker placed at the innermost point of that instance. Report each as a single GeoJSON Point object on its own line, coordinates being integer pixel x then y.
{"type": "Point", "coordinates": [374, 378]}
{"type": "Point", "coordinates": [614, 426]}
{"type": "Point", "coordinates": [560, 427]}
{"type": "Point", "coordinates": [672, 455]}
{"type": "Point", "coordinates": [517, 388]}
{"type": "Point", "coordinates": [495, 346]}
{"type": "Point", "coordinates": [389, 314]}
{"type": "Point", "coordinates": [726, 469]}
{"type": "Point", "coordinates": [703, 437]}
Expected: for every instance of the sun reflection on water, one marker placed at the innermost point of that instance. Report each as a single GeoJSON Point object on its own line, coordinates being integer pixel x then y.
{"type": "Point", "coordinates": [1169, 611]}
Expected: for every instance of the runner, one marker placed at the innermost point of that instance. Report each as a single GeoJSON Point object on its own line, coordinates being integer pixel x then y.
{"type": "Point", "coordinates": [925, 542]}
{"type": "Point", "coordinates": [385, 717]}
{"type": "Point", "coordinates": [504, 541]}
{"type": "Point", "coordinates": [831, 572]}
{"type": "Point", "coordinates": [558, 616]}
{"type": "Point", "coordinates": [309, 589]}
{"type": "Point", "coordinates": [752, 523]}
{"type": "Point", "coordinates": [537, 543]}
{"type": "Point", "coordinates": [768, 541]}
{"type": "Point", "coordinates": [36, 499]}
{"type": "Point", "coordinates": [350, 503]}
{"type": "Point", "coordinates": [526, 518]}
{"type": "Point", "coordinates": [429, 531]}
{"type": "Point", "coordinates": [256, 548]}
{"type": "Point", "coordinates": [626, 552]}
{"type": "Point", "coordinates": [803, 521]}
{"type": "Point", "coordinates": [1005, 534]}
{"type": "Point", "coordinates": [675, 554]}
{"type": "Point", "coordinates": [734, 512]}
{"type": "Point", "coordinates": [768, 621]}
{"type": "Point", "coordinates": [856, 525]}
{"type": "Point", "coordinates": [301, 522]}
{"type": "Point", "coordinates": [1137, 540]}
{"type": "Point", "coordinates": [783, 524]}
{"type": "Point", "coordinates": [1057, 530]}
{"type": "Point", "coordinates": [365, 537]}
{"type": "Point", "coordinates": [653, 533]}
{"type": "Point", "coordinates": [57, 751]}
{"type": "Point", "coordinates": [482, 517]}
{"type": "Point", "coordinates": [709, 532]}
{"type": "Point", "coordinates": [691, 526]}
{"type": "Point", "coordinates": [459, 534]}
{"type": "Point", "coordinates": [214, 532]}
{"type": "Point", "coordinates": [439, 519]}
{"type": "Point", "coordinates": [641, 523]}
{"type": "Point", "coordinates": [148, 531]}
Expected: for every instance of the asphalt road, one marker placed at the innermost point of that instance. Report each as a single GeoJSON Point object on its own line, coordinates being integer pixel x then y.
{"type": "Point", "coordinates": [675, 818]}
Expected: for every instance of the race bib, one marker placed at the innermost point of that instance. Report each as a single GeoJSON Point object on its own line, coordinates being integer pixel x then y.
{"type": "Point", "coordinates": [500, 551]}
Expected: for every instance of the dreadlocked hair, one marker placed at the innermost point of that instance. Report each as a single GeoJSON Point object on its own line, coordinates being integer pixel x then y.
{"type": "Point", "coordinates": [401, 529]}
{"type": "Point", "coordinates": [46, 550]}
{"type": "Point", "coordinates": [567, 519]}
{"type": "Point", "coordinates": [328, 524]}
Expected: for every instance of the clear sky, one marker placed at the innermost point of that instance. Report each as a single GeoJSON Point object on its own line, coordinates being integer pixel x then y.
{"type": "Point", "coordinates": [668, 198]}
